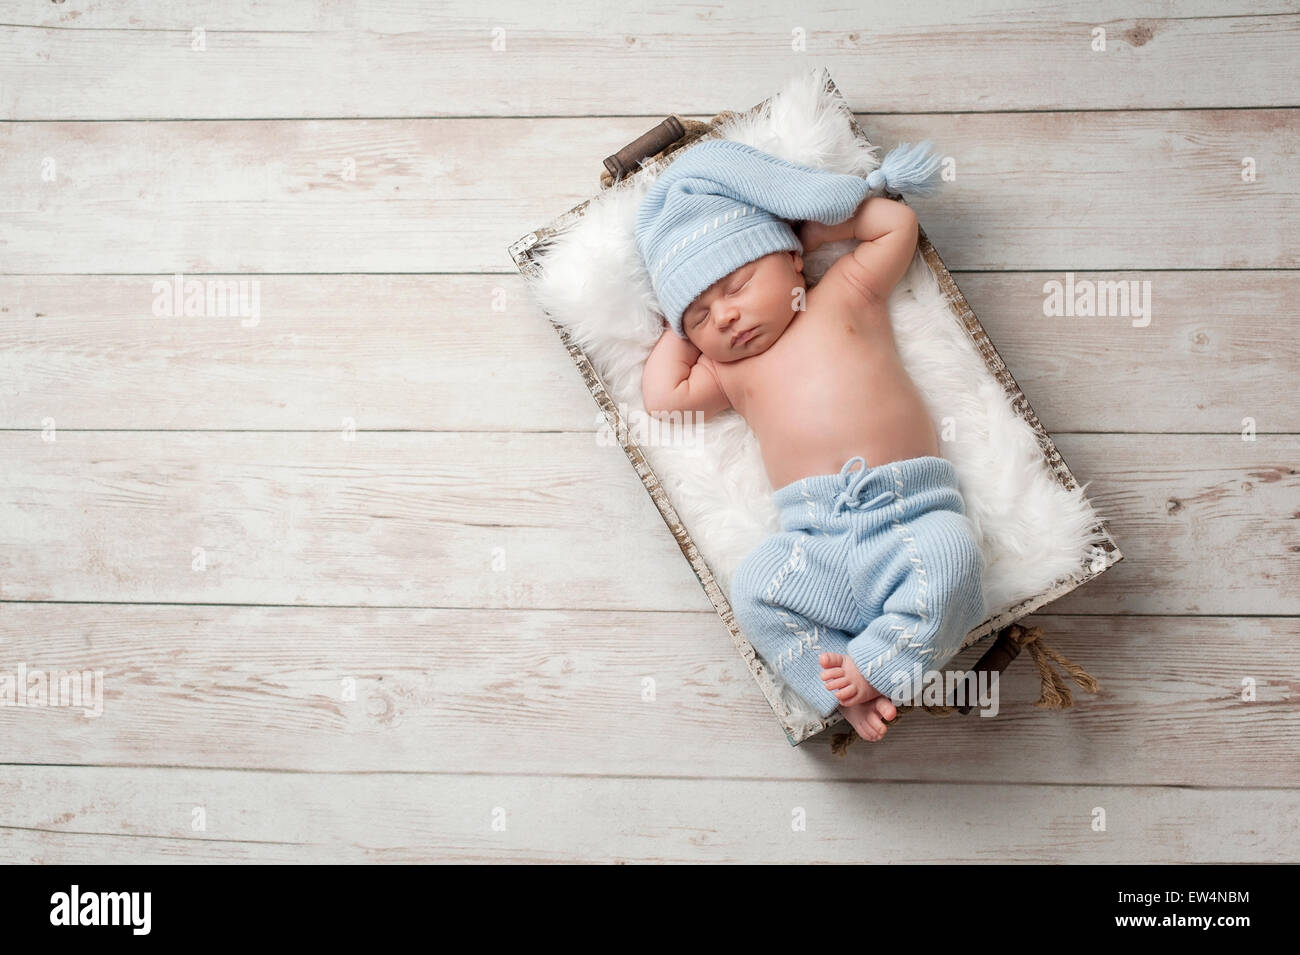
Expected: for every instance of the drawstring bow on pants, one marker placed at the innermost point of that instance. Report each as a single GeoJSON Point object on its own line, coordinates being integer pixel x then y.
{"type": "Point", "coordinates": [854, 482]}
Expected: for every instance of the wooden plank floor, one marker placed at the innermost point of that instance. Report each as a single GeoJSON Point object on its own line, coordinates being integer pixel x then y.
{"type": "Point", "coordinates": [362, 583]}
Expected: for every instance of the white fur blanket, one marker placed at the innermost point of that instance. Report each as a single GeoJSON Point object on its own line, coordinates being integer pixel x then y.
{"type": "Point", "coordinates": [1033, 531]}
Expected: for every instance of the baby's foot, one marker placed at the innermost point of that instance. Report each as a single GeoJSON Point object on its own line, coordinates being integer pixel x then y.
{"type": "Point", "coordinates": [869, 718]}
{"type": "Point", "coordinates": [865, 707]}
{"type": "Point", "coordinates": [843, 678]}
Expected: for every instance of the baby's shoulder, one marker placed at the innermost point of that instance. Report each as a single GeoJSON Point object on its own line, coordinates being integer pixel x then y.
{"type": "Point", "coordinates": [714, 368]}
{"type": "Point", "coordinates": [727, 374]}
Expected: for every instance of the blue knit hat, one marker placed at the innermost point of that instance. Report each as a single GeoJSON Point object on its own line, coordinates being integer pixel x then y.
{"type": "Point", "coordinates": [720, 206]}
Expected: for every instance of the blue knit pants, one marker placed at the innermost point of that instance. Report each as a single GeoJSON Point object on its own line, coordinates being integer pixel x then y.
{"type": "Point", "coordinates": [880, 563]}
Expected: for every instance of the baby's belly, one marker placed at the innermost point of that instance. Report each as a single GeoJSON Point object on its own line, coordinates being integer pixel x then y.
{"type": "Point", "coordinates": [815, 418]}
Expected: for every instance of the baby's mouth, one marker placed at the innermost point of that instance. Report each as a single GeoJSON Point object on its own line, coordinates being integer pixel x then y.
{"type": "Point", "coordinates": [741, 337]}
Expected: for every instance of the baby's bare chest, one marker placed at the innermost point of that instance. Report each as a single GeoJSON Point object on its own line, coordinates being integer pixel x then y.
{"type": "Point", "coordinates": [823, 351]}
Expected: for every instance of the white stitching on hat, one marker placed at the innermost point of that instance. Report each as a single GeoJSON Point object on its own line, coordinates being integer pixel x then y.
{"type": "Point", "coordinates": [682, 243]}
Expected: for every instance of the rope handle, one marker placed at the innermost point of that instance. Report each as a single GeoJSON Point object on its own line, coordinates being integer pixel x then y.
{"type": "Point", "coordinates": [1053, 694]}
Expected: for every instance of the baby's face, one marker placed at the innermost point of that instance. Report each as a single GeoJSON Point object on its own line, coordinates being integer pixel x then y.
{"type": "Point", "coordinates": [758, 299]}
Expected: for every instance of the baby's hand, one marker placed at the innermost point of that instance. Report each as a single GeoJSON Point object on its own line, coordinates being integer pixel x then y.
{"type": "Point", "coordinates": [812, 235]}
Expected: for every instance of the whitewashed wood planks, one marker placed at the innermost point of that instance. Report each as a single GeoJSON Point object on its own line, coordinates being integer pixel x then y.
{"type": "Point", "coordinates": [71, 814]}
{"type": "Point", "coordinates": [1033, 191]}
{"type": "Point", "coordinates": [1208, 523]}
{"type": "Point", "coordinates": [430, 352]}
{"type": "Point", "coordinates": [484, 533]}
{"type": "Point", "coordinates": [321, 689]}
{"type": "Point", "coordinates": [133, 61]}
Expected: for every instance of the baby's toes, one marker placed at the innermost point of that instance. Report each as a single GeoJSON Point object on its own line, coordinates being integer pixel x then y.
{"type": "Point", "coordinates": [835, 683]}
{"type": "Point", "coordinates": [851, 694]}
{"type": "Point", "coordinates": [886, 708]}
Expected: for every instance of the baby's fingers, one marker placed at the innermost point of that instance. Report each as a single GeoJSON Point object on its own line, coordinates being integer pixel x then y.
{"type": "Point", "coordinates": [810, 235]}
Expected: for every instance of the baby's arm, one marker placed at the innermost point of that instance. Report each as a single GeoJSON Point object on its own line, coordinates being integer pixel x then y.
{"type": "Point", "coordinates": [675, 379]}
{"type": "Point", "coordinates": [888, 232]}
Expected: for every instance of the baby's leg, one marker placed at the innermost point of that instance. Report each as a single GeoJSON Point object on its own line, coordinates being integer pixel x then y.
{"type": "Point", "coordinates": [931, 572]}
{"type": "Point", "coordinates": [793, 603]}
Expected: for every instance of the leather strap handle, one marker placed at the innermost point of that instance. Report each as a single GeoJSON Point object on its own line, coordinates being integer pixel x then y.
{"type": "Point", "coordinates": [669, 136]}
{"type": "Point", "coordinates": [649, 143]}
{"type": "Point", "coordinates": [997, 658]}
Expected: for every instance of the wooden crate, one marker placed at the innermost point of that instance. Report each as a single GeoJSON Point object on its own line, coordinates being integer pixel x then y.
{"type": "Point", "coordinates": [1008, 636]}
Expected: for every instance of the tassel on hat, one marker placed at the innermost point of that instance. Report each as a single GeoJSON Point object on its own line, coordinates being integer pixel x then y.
{"type": "Point", "coordinates": [908, 170]}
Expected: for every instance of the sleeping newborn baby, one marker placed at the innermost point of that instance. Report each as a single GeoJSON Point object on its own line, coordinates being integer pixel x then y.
{"type": "Point", "coordinates": [875, 575]}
